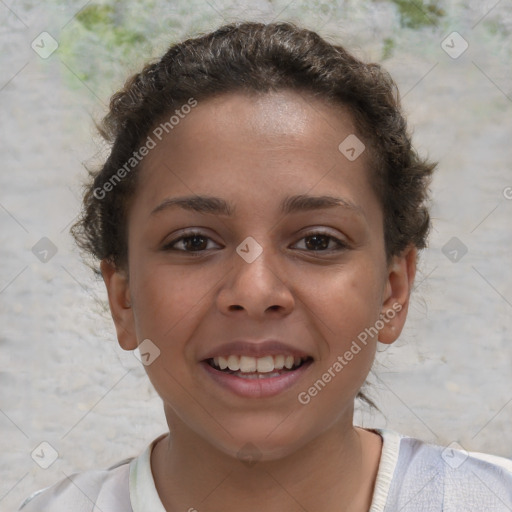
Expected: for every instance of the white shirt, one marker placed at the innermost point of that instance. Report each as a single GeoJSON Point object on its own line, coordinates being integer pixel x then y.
{"type": "Point", "coordinates": [413, 476]}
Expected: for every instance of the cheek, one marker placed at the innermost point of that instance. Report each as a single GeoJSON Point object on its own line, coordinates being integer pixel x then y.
{"type": "Point", "coordinates": [168, 303]}
{"type": "Point", "coordinates": [346, 310]}
{"type": "Point", "coordinates": [167, 298]}
{"type": "Point", "coordinates": [347, 301]}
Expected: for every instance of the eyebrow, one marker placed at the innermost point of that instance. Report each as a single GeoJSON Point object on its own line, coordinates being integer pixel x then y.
{"type": "Point", "coordinates": [291, 204]}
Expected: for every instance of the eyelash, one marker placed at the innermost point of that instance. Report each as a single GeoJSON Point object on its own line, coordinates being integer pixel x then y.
{"type": "Point", "coordinates": [191, 234]}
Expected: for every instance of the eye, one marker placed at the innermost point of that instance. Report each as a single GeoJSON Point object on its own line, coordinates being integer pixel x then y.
{"type": "Point", "coordinates": [193, 241]}
{"type": "Point", "coordinates": [319, 241]}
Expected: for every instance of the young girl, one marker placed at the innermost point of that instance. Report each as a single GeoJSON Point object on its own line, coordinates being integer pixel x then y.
{"type": "Point", "coordinates": [258, 223]}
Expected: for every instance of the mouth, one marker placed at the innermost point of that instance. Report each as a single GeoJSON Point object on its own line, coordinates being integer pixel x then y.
{"type": "Point", "coordinates": [256, 377]}
{"type": "Point", "coordinates": [266, 367]}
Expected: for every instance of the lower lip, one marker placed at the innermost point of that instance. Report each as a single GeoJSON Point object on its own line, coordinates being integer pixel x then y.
{"type": "Point", "coordinates": [256, 388]}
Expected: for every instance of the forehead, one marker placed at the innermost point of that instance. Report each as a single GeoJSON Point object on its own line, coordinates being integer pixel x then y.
{"type": "Point", "coordinates": [269, 145]}
{"type": "Point", "coordinates": [286, 115]}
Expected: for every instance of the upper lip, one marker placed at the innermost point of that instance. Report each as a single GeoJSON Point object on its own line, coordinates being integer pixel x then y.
{"type": "Point", "coordinates": [255, 349]}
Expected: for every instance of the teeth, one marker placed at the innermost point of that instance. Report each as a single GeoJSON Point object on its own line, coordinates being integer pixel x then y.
{"type": "Point", "coordinates": [252, 376]}
{"type": "Point", "coordinates": [248, 364]}
{"type": "Point", "coordinates": [265, 364]}
{"type": "Point", "coordinates": [234, 363]}
{"type": "Point", "coordinates": [278, 362]}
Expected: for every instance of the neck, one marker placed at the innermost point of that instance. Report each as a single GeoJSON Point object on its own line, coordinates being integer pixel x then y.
{"type": "Point", "coordinates": [334, 472]}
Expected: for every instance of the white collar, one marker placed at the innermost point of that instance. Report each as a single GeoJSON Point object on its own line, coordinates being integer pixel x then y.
{"type": "Point", "coordinates": [387, 465]}
{"type": "Point", "coordinates": [143, 493]}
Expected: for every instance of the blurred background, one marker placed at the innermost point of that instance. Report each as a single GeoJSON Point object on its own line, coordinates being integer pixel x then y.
{"type": "Point", "coordinates": [64, 380]}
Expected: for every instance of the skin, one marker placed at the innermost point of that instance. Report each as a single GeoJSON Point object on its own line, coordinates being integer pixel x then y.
{"type": "Point", "coordinates": [253, 152]}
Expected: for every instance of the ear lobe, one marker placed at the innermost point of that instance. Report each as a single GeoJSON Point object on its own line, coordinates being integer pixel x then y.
{"type": "Point", "coordinates": [118, 290]}
{"type": "Point", "coordinates": [401, 273]}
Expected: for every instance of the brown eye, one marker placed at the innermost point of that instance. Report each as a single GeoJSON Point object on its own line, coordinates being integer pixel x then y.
{"type": "Point", "coordinates": [190, 242]}
{"type": "Point", "coordinates": [320, 241]}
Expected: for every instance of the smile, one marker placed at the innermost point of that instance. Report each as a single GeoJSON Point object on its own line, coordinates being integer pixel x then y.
{"type": "Point", "coordinates": [256, 367]}
{"type": "Point", "coordinates": [256, 377]}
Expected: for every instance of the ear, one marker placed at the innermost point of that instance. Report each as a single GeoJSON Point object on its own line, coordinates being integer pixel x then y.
{"type": "Point", "coordinates": [118, 290]}
{"type": "Point", "coordinates": [401, 273]}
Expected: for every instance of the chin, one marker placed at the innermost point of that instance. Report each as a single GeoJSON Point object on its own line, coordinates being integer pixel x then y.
{"type": "Point", "coordinates": [264, 444]}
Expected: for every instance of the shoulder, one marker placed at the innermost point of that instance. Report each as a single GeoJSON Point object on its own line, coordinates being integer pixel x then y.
{"type": "Point", "coordinates": [430, 478]}
{"type": "Point", "coordinates": [85, 492]}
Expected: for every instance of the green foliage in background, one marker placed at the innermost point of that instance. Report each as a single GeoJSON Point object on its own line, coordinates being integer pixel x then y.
{"type": "Point", "coordinates": [106, 39]}
{"type": "Point", "coordinates": [107, 22]}
{"type": "Point", "coordinates": [496, 27]}
{"type": "Point", "coordinates": [388, 45]}
{"type": "Point", "coordinates": [417, 13]}
{"type": "Point", "coordinates": [109, 39]}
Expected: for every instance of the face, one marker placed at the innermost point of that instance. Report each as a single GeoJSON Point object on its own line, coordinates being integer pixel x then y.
{"type": "Point", "coordinates": [257, 269]}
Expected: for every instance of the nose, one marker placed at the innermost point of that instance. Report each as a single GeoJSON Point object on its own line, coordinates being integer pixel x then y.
{"type": "Point", "coordinates": [259, 287]}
